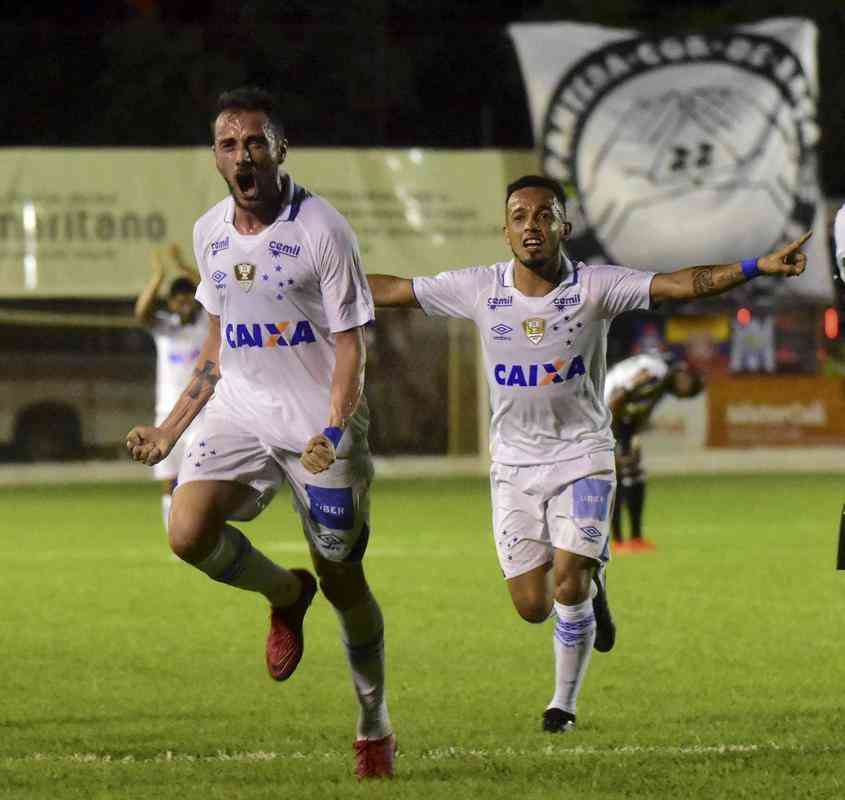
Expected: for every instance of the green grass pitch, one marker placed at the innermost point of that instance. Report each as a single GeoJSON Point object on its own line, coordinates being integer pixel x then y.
{"type": "Point", "coordinates": [125, 674]}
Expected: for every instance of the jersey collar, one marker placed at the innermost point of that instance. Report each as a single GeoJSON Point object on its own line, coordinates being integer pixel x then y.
{"type": "Point", "coordinates": [288, 205]}
{"type": "Point", "coordinates": [570, 278]}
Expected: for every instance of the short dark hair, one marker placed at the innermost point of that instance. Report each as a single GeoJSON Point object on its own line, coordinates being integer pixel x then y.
{"type": "Point", "coordinates": [537, 180]}
{"type": "Point", "coordinates": [250, 98]}
{"type": "Point", "coordinates": [182, 286]}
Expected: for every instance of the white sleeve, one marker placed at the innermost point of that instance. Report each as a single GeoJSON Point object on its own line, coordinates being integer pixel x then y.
{"type": "Point", "coordinates": [450, 294]}
{"type": "Point", "coordinates": [346, 294]}
{"type": "Point", "coordinates": [839, 238]}
{"type": "Point", "coordinates": [205, 291]}
{"type": "Point", "coordinates": [619, 289]}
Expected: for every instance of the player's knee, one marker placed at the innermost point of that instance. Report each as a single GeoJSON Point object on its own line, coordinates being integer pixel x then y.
{"type": "Point", "coordinates": [342, 584]}
{"type": "Point", "coordinates": [533, 609]}
{"type": "Point", "coordinates": [188, 532]}
{"type": "Point", "coordinates": [573, 586]}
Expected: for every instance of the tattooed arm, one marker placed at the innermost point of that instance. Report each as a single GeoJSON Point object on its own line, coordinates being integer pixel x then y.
{"type": "Point", "coordinates": [150, 444]}
{"type": "Point", "coordinates": [694, 282]}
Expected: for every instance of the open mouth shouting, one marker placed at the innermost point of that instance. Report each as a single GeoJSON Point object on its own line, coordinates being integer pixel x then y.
{"type": "Point", "coordinates": [247, 184]}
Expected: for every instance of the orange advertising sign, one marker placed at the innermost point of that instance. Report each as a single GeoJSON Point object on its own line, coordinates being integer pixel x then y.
{"type": "Point", "coordinates": [776, 411]}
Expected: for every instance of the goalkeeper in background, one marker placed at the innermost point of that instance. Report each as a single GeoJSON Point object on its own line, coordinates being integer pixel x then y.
{"type": "Point", "coordinates": [632, 390]}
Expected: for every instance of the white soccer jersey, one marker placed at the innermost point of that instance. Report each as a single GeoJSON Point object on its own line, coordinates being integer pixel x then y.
{"type": "Point", "coordinates": [839, 238]}
{"type": "Point", "coordinates": [281, 295]}
{"type": "Point", "coordinates": [544, 356]}
{"type": "Point", "coordinates": [622, 375]}
{"type": "Point", "coordinates": [177, 349]}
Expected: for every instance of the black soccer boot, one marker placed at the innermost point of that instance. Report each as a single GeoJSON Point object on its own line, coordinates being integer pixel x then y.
{"type": "Point", "coordinates": [556, 720]}
{"type": "Point", "coordinates": [605, 626]}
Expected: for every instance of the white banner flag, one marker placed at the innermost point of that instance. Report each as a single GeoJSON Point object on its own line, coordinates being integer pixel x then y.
{"type": "Point", "coordinates": [683, 149]}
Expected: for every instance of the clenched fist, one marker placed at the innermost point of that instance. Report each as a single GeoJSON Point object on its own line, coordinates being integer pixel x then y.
{"type": "Point", "coordinates": [149, 444]}
{"type": "Point", "coordinates": [318, 455]}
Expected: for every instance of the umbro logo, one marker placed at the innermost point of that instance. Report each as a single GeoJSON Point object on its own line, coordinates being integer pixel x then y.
{"type": "Point", "coordinates": [330, 541]}
{"type": "Point", "coordinates": [502, 330]}
{"type": "Point", "coordinates": [218, 276]}
{"type": "Point", "coordinates": [591, 533]}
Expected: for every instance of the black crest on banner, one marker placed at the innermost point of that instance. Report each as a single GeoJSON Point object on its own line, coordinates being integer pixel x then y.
{"type": "Point", "coordinates": [666, 141]}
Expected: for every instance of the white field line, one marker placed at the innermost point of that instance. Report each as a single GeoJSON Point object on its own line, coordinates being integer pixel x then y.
{"type": "Point", "coordinates": [145, 555]}
{"type": "Point", "coordinates": [438, 754]}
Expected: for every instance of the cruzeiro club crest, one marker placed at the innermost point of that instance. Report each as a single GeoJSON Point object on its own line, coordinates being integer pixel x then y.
{"type": "Point", "coordinates": [685, 149]}
{"type": "Point", "coordinates": [534, 329]}
{"type": "Point", "coordinates": [245, 275]}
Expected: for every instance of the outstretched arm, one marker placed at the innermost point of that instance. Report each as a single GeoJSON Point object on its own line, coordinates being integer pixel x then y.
{"type": "Point", "coordinates": [392, 292]}
{"type": "Point", "coordinates": [150, 444]}
{"type": "Point", "coordinates": [694, 282]}
{"type": "Point", "coordinates": [145, 304]}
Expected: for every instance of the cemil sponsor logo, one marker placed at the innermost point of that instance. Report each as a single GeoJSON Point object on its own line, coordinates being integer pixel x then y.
{"type": "Point", "coordinates": [219, 246]}
{"type": "Point", "coordinates": [269, 334]}
{"type": "Point", "coordinates": [535, 375]}
{"type": "Point", "coordinates": [499, 302]}
{"type": "Point", "coordinates": [279, 249]}
{"type": "Point", "coordinates": [566, 302]}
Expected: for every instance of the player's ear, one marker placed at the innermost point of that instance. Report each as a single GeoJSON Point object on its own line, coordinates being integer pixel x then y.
{"type": "Point", "coordinates": [567, 229]}
{"type": "Point", "coordinates": [283, 151]}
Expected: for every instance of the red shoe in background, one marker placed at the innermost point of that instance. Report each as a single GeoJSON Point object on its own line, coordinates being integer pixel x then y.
{"type": "Point", "coordinates": [641, 545]}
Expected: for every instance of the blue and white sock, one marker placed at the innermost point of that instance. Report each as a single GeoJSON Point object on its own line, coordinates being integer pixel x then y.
{"type": "Point", "coordinates": [362, 633]}
{"type": "Point", "coordinates": [235, 561]}
{"type": "Point", "coordinates": [575, 632]}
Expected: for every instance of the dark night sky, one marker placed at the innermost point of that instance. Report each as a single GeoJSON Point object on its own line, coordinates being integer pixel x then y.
{"type": "Point", "coordinates": [371, 73]}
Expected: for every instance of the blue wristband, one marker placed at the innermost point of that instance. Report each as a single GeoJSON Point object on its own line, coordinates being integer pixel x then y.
{"type": "Point", "coordinates": [750, 268]}
{"type": "Point", "coordinates": [334, 435]}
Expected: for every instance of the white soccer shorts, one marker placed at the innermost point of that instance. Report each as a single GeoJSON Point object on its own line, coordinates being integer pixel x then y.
{"type": "Point", "coordinates": [168, 468]}
{"type": "Point", "coordinates": [334, 505]}
{"type": "Point", "coordinates": [537, 509]}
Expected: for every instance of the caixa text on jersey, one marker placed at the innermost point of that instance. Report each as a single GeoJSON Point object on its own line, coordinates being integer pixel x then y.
{"type": "Point", "coordinates": [543, 374]}
{"type": "Point", "coordinates": [269, 334]}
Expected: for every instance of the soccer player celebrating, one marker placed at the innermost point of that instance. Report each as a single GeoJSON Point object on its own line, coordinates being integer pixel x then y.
{"type": "Point", "coordinates": [280, 378]}
{"type": "Point", "coordinates": [632, 390]}
{"type": "Point", "coordinates": [543, 322]}
{"type": "Point", "coordinates": [178, 333]}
